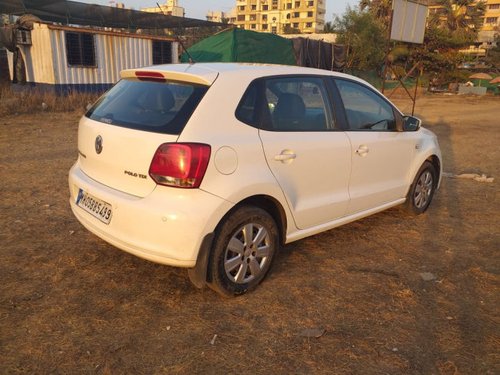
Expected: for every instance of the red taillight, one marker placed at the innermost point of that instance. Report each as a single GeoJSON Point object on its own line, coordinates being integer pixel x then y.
{"type": "Point", "coordinates": [180, 164]}
{"type": "Point", "coordinates": [149, 76]}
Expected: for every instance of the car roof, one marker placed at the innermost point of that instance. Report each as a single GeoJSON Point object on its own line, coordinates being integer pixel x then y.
{"type": "Point", "coordinates": [206, 73]}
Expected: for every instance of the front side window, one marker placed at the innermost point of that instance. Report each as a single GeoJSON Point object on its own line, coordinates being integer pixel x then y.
{"type": "Point", "coordinates": [80, 50]}
{"type": "Point", "coordinates": [157, 106]}
{"type": "Point", "coordinates": [365, 109]}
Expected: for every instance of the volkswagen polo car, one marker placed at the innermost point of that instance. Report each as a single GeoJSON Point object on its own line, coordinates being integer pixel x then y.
{"type": "Point", "coordinates": [213, 167]}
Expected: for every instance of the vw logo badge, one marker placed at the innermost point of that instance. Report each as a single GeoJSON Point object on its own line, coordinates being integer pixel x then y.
{"type": "Point", "coordinates": [98, 144]}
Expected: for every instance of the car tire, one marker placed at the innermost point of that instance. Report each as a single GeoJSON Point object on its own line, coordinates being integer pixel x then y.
{"type": "Point", "coordinates": [245, 245]}
{"type": "Point", "coordinates": [422, 189]}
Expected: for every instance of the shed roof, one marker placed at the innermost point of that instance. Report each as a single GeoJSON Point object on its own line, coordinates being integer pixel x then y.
{"type": "Point", "coordinates": [76, 13]}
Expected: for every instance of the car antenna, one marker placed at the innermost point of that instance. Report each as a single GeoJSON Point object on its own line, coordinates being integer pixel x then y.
{"type": "Point", "coordinates": [177, 37]}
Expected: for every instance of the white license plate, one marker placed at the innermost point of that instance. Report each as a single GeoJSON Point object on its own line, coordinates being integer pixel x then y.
{"type": "Point", "coordinates": [94, 206]}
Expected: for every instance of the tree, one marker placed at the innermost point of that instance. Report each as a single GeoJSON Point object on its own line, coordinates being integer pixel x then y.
{"type": "Point", "coordinates": [459, 15]}
{"type": "Point", "coordinates": [364, 37]}
{"type": "Point", "coordinates": [454, 26]}
{"type": "Point", "coordinates": [288, 29]}
{"type": "Point", "coordinates": [328, 28]}
{"type": "Point", "coordinates": [493, 54]}
{"type": "Point", "coordinates": [380, 9]}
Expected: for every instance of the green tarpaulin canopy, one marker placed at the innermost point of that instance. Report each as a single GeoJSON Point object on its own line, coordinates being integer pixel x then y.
{"type": "Point", "coordinates": [237, 45]}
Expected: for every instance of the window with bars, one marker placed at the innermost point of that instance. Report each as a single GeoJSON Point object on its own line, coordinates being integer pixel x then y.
{"type": "Point", "coordinates": [162, 52]}
{"type": "Point", "coordinates": [80, 49]}
{"type": "Point", "coordinates": [23, 36]}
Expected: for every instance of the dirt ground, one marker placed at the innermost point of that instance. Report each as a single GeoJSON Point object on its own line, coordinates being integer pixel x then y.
{"type": "Point", "coordinates": [70, 303]}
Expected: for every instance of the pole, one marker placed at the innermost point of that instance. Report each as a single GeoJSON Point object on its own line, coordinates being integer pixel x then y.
{"type": "Point", "coordinates": [415, 94]}
{"type": "Point", "coordinates": [388, 48]}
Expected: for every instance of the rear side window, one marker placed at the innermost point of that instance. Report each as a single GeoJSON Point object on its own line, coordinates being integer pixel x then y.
{"type": "Point", "coordinates": [287, 103]}
{"type": "Point", "coordinates": [247, 110]}
{"type": "Point", "coordinates": [297, 104]}
{"type": "Point", "coordinates": [156, 106]}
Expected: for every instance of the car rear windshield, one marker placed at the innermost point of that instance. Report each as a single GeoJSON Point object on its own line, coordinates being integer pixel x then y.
{"type": "Point", "coordinates": [155, 106]}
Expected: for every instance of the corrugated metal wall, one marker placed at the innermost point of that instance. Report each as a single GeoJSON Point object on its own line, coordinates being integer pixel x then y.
{"type": "Point", "coordinates": [46, 60]}
{"type": "Point", "coordinates": [113, 54]}
{"type": "Point", "coordinates": [38, 58]}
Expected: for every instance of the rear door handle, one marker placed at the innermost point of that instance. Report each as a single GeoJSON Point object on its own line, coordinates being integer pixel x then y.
{"type": "Point", "coordinates": [362, 150]}
{"type": "Point", "coordinates": [286, 156]}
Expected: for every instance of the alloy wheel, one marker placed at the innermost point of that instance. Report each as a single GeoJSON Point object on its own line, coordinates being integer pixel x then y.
{"type": "Point", "coordinates": [247, 253]}
{"type": "Point", "coordinates": [423, 189]}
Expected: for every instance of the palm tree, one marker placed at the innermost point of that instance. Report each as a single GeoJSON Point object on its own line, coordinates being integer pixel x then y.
{"type": "Point", "coordinates": [459, 15]}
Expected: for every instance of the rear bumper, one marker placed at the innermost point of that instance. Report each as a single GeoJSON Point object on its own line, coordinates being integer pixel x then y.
{"type": "Point", "coordinates": [167, 226]}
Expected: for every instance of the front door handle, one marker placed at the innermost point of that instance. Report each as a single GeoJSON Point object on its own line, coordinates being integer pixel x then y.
{"type": "Point", "coordinates": [362, 150]}
{"type": "Point", "coordinates": [286, 156]}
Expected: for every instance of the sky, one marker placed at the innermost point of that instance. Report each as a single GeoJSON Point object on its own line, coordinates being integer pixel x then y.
{"type": "Point", "coordinates": [199, 8]}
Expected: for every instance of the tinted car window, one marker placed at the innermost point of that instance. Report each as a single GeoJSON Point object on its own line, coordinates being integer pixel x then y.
{"type": "Point", "coordinates": [297, 104]}
{"type": "Point", "coordinates": [365, 110]}
{"type": "Point", "coordinates": [247, 109]}
{"type": "Point", "coordinates": [286, 104]}
{"type": "Point", "coordinates": [156, 106]}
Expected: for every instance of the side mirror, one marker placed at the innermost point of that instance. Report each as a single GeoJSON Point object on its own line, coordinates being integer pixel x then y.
{"type": "Point", "coordinates": [411, 123]}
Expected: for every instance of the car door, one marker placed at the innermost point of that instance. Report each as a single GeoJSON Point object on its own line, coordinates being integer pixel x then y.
{"type": "Point", "coordinates": [381, 155]}
{"type": "Point", "coordinates": [308, 155]}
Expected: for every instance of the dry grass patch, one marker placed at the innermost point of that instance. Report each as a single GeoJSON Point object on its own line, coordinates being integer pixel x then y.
{"type": "Point", "coordinates": [30, 100]}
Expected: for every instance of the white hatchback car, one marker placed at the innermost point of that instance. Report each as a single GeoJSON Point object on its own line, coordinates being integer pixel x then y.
{"type": "Point", "coordinates": [213, 166]}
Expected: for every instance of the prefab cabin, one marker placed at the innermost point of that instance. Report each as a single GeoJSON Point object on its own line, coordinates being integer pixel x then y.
{"type": "Point", "coordinates": [67, 58]}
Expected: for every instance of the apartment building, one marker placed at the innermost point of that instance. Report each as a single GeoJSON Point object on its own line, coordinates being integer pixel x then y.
{"type": "Point", "coordinates": [281, 16]}
{"type": "Point", "coordinates": [171, 8]}
{"type": "Point", "coordinates": [222, 17]}
{"type": "Point", "coordinates": [491, 25]}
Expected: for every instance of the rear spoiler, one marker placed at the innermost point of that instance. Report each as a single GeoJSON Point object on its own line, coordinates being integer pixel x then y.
{"type": "Point", "coordinates": [165, 75]}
